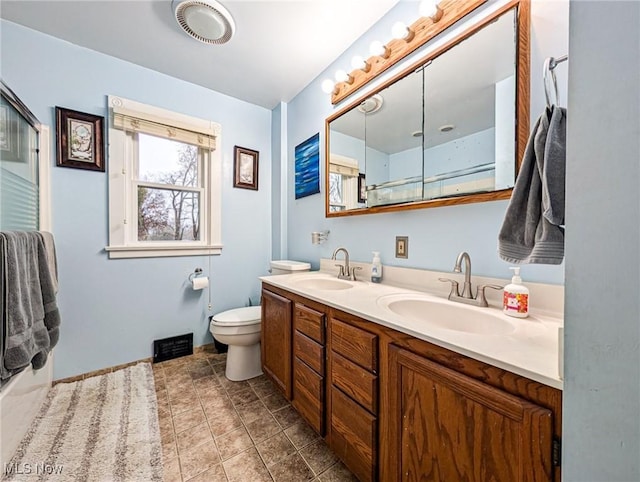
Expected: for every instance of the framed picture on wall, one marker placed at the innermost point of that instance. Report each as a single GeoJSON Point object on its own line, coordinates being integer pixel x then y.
{"type": "Point", "coordinates": [245, 167]}
{"type": "Point", "coordinates": [79, 139]}
{"type": "Point", "coordinates": [307, 167]}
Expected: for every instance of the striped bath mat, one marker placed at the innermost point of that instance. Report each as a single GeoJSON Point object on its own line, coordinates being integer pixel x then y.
{"type": "Point", "coordinates": [102, 429]}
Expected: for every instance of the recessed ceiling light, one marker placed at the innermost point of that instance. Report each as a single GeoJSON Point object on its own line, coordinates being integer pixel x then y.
{"type": "Point", "coordinates": [205, 20]}
{"type": "Point", "coordinates": [446, 128]}
{"type": "Point", "coordinates": [371, 104]}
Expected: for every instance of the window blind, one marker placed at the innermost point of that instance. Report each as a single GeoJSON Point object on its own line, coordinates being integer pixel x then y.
{"type": "Point", "coordinates": [343, 165]}
{"type": "Point", "coordinates": [133, 121]}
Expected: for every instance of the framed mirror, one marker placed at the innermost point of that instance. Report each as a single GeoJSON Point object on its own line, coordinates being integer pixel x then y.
{"type": "Point", "coordinates": [449, 129]}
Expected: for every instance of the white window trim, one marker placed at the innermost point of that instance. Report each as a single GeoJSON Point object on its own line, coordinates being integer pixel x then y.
{"type": "Point", "coordinates": [44, 178]}
{"type": "Point", "coordinates": [122, 243]}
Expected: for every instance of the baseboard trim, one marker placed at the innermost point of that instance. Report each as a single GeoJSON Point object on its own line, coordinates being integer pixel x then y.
{"type": "Point", "coordinates": [209, 348]}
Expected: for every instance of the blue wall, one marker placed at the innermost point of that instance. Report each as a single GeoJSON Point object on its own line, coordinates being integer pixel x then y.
{"type": "Point", "coordinates": [112, 310]}
{"type": "Point", "coordinates": [436, 235]}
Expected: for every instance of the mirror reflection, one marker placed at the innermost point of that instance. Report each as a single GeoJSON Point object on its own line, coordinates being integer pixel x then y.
{"type": "Point", "coordinates": [469, 143]}
{"type": "Point", "coordinates": [446, 129]}
{"type": "Point", "coordinates": [347, 160]}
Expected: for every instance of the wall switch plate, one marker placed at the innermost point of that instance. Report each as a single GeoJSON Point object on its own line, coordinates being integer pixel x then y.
{"type": "Point", "coordinates": [402, 247]}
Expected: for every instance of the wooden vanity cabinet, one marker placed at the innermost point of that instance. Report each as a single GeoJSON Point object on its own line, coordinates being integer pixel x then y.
{"type": "Point", "coordinates": [309, 365]}
{"type": "Point", "coordinates": [293, 351]}
{"type": "Point", "coordinates": [275, 343]}
{"type": "Point", "coordinates": [393, 407]}
{"type": "Point", "coordinates": [447, 426]}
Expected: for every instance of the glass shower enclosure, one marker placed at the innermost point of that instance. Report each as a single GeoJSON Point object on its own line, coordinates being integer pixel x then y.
{"type": "Point", "coordinates": [19, 156]}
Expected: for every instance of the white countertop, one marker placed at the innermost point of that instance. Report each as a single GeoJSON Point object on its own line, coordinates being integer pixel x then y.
{"type": "Point", "coordinates": [530, 350]}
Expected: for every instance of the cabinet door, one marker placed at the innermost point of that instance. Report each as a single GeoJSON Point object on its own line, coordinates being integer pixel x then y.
{"type": "Point", "coordinates": [276, 340]}
{"type": "Point", "coordinates": [447, 426]}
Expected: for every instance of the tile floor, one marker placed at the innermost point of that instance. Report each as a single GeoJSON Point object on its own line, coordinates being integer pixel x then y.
{"type": "Point", "coordinates": [214, 429]}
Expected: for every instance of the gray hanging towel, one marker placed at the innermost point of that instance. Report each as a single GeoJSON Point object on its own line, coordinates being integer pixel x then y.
{"type": "Point", "coordinates": [531, 232]}
{"type": "Point", "coordinates": [29, 311]}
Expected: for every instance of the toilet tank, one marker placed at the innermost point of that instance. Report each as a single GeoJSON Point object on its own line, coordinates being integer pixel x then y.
{"type": "Point", "coordinates": [286, 266]}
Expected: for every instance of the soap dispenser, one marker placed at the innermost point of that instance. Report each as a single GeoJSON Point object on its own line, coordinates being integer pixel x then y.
{"type": "Point", "coordinates": [515, 299]}
{"type": "Point", "coordinates": [376, 268]}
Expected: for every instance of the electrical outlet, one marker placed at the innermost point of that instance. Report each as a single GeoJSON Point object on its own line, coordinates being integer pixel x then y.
{"type": "Point", "coordinates": [402, 247]}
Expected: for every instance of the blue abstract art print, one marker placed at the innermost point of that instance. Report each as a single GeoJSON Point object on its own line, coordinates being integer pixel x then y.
{"type": "Point", "coordinates": [307, 167]}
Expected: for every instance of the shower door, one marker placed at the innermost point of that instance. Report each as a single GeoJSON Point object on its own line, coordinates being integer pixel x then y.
{"type": "Point", "coordinates": [19, 155]}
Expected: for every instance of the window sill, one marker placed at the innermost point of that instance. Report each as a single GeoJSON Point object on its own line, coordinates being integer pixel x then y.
{"type": "Point", "coordinates": [122, 252]}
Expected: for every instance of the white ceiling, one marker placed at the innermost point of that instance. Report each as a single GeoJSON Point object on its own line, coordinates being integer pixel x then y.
{"type": "Point", "coordinates": [278, 49]}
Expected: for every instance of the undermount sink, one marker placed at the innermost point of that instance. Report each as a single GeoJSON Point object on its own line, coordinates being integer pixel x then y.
{"type": "Point", "coordinates": [447, 314]}
{"type": "Point", "coordinates": [324, 284]}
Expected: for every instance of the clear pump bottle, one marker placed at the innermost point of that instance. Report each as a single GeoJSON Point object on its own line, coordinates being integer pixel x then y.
{"type": "Point", "coordinates": [376, 268]}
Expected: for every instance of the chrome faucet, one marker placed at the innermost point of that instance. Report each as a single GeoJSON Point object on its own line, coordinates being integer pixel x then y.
{"type": "Point", "coordinates": [466, 296]}
{"type": "Point", "coordinates": [346, 272]}
{"type": "Point", "coordinates": [466, 288]}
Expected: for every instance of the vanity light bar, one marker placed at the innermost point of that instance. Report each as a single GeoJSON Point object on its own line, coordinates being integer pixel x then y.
{"type": "Point", "coordinates": [445, 14]}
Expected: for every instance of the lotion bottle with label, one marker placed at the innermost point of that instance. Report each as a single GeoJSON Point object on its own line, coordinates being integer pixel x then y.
{"type": "Point", "coordinates": [376, 268]}
{"type": "Point", "coordinates": [515, 299]}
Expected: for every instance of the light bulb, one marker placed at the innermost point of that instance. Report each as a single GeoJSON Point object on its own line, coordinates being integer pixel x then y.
{"type": "Point", "coordinates": [358, 62]}
{"type": "Point", "coordinates": [399, 30]}
{"type": "Point", "coordinates": [342, 76]}
{"type": "Point", "coordinates": [327, 86]}
{"type": "Point", "coordinates": [429, 8]}
{"type": "Point", "coordinates": [377, 48]}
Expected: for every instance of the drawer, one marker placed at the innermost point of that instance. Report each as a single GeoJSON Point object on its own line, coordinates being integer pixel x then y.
{"type": "Point", "coordinates": [355, 381]}
{"type": "Point", "coordinates": [310, 322]}
{"type": "Point", "coordinates": [308, 395]}
{"type": "Point", "coordinates": [353, 435]}
{"type": "Point", "coordinates": [359, 346]}
{"type": "Point", "coordinates": [309, 352]}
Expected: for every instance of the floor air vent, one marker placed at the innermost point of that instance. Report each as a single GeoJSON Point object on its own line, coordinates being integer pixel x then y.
{"type": "Point", "coordinates": [173, 347]}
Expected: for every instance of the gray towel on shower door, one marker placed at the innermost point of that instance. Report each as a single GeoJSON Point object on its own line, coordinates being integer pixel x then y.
{"type": "Point", "coordinates": [48, 272]}
{"type": "Point", "coordinates": [532, 231]}
{"type": "Point", "coordinates": [50, 248]}
{"type": "Point", "coordinates": [4, 373]}
{"type": "Point", "coordinates": [30, 313]}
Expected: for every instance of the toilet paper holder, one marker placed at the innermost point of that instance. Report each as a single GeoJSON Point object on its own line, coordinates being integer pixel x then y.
{"type": "Point", "coordinates": [196, 272]}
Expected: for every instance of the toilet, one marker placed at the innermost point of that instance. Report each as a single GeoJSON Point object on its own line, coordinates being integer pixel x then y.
{"type": "Point", "coordinates": [239, 328]}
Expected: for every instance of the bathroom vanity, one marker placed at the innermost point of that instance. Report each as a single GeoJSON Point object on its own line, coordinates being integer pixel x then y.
{"type": "Point", "coordinates": [400, 400]}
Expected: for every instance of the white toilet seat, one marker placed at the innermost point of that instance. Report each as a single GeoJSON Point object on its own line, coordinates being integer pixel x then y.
{"type": "Point", "coordinates": [238, 316]}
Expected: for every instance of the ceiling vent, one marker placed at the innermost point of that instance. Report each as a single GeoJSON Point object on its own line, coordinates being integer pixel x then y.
{"type": "Point", "coordinates": [205, 20]}
{"type": "Point", "coordinates": [371, 105]}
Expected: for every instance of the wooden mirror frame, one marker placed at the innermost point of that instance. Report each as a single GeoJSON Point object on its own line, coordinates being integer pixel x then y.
{"type": "Point", "coordinates": [523, 14]}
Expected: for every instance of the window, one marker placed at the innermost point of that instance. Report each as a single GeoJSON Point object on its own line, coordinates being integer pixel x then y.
{"type": "Point", "coordinates": [164, 183]}
{"type": "Point", "coordinates": [343, 183]}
